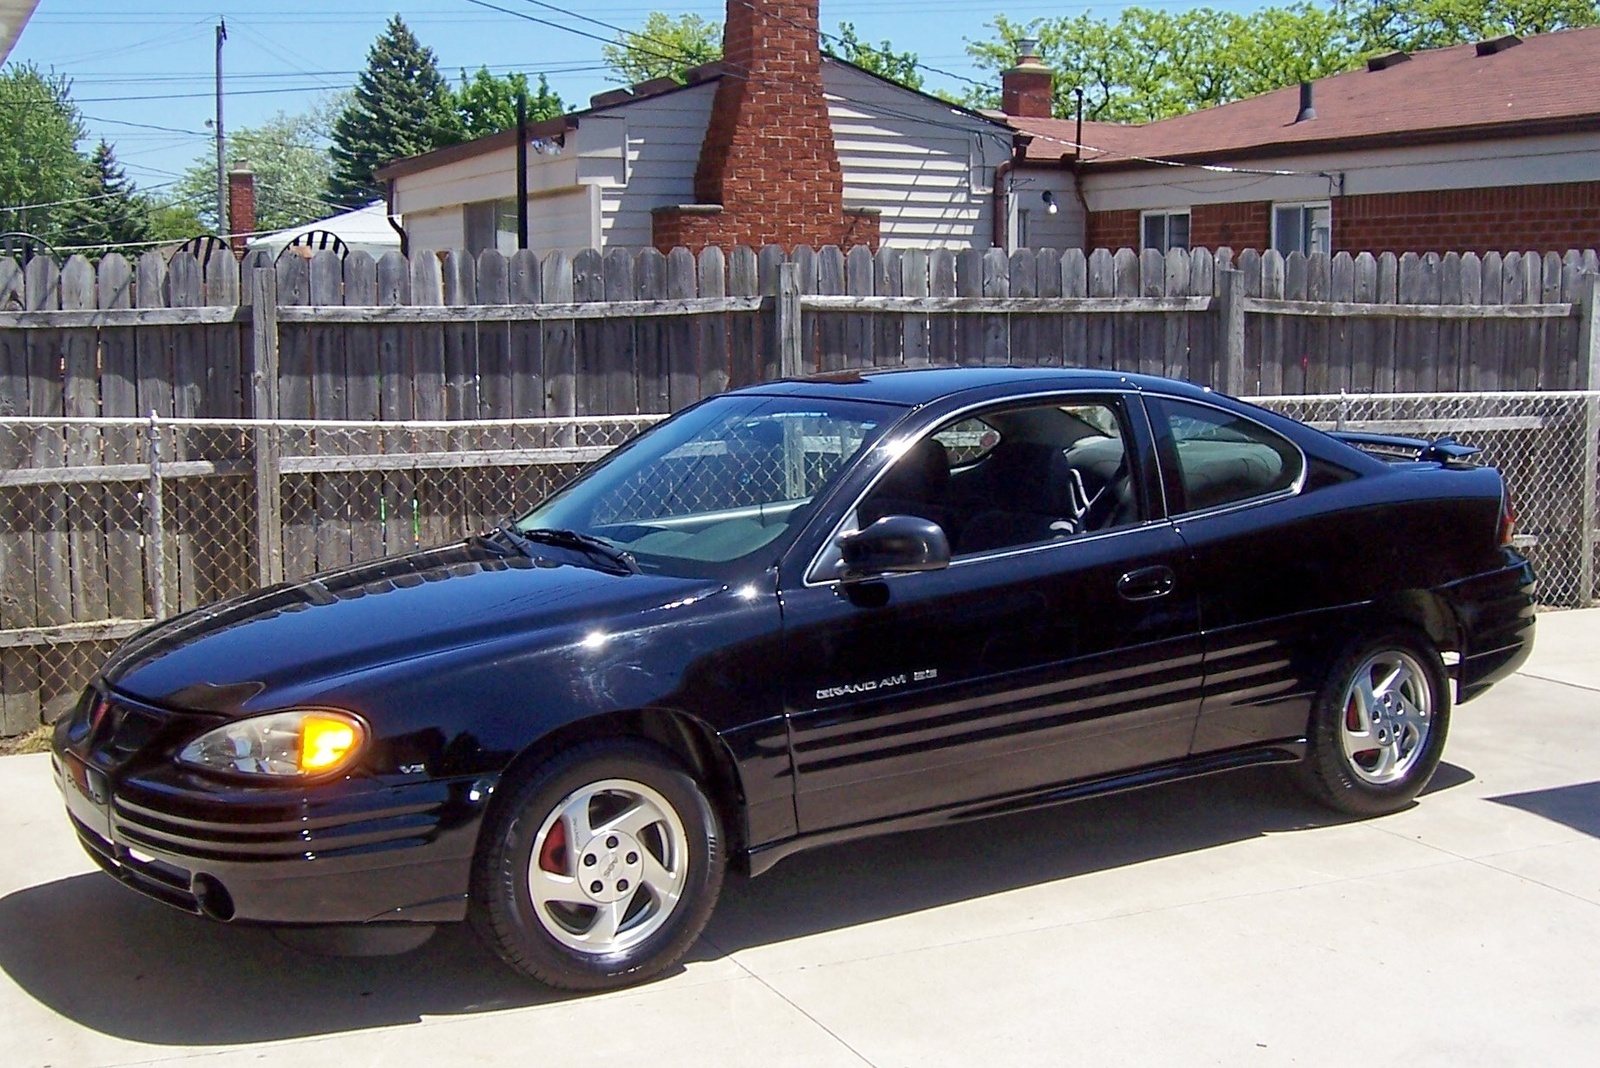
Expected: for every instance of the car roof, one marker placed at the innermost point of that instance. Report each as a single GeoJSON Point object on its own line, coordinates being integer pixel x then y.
{"type": "Point", "coordinates": [913, 387]}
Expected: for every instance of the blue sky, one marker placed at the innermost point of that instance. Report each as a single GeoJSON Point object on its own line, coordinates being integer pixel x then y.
{"type": "Point", "coordinates": [150, 63]}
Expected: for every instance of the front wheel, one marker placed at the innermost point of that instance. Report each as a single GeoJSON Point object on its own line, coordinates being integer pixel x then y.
{"type": "Point", "coordinates": [598, 868]}
{"type": "Point", "coordinates": [1379, 725]}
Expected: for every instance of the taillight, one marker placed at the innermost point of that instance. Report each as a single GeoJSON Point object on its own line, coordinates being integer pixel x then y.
{"type": "Point", "coordinates": [1508, 518]}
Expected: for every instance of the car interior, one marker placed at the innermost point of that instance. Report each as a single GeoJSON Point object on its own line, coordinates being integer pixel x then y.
{"type": "Point", "coordinates": [1013, 478]}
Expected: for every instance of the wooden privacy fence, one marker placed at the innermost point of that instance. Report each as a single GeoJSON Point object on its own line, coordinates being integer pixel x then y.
{"type": "Point", "coordinates": [450, 336]}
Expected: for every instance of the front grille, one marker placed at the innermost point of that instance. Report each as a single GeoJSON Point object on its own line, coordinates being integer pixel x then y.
{"type": "Point", "coordinates": [166, 883]}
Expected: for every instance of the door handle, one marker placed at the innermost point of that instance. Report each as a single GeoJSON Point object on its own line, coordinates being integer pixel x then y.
{"type": "Point", "coordinates": [1147, 583]}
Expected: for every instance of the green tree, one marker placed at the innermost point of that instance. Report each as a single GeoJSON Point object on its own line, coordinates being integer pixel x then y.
{"type": "Point", "coordinates": [289, 156]}
{"type": "Point", "coordinates": [665, 47]}
{"type": "Point", "coordinates": [485, 104]}
{"type": "Point", "coordinates": [1413, 25]}
{"type": "Point", "coordinates": [402, 106]}
{"type": "Point", "coordinates": [881, 60]}
{"type": "Point", "coordinates": [111, 211]}
{"type": "Point", "coordinates": [174, 220]}
{"type": "Point", "coordinates": [1149, 64]}
{"type": "Point", "coordinates": [40, 128]}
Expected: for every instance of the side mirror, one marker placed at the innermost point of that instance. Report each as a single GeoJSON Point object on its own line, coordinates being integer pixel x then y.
{"type": "Point", "coordinates": [894, 544]}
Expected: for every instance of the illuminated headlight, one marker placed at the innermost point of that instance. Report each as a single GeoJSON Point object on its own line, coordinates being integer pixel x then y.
{"type": "Point", "coordinates": [283, 744]}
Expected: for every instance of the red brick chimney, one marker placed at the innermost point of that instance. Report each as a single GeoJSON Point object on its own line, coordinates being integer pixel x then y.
{"type": "Point", "coordinates": [768, 171]}
{"type": "Point", "coordinates": [1026, 90]}
{"type": "Point", "coordinates": [241, 207]}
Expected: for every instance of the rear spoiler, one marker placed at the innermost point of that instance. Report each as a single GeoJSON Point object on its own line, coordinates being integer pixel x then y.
{"type": "Point", "coordinates": [1446, 450]}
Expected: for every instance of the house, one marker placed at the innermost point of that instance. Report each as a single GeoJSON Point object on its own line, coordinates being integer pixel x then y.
{"type": "Point", "coordinates": [1494, 145]}
{"type": "Point", "coordinates": [775, 143]}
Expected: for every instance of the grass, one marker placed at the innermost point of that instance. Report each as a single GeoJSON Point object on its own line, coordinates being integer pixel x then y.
{"type": "Point", "coordinates": [35, 741]}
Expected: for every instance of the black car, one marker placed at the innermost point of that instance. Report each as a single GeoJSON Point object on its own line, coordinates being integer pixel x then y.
{"type": "Point", "coordinates": [793, 614]}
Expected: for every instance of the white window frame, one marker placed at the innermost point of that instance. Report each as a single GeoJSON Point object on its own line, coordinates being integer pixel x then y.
{"type": "Point", "coordinates": [1166, 214]}
{"type": "Point", "coordinates": [1302, 238]}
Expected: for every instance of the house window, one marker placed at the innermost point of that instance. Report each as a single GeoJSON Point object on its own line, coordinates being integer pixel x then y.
{"type": "Point", "coordinates": [492, 224]}
{"type": "Point", "coordinates": [1165, 230]}
{"type": "Point", "coordinates": [1304, 228]}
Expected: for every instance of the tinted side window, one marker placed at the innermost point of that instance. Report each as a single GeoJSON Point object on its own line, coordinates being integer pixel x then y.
{"type": "Point", "coordinates": [1016, 476]}
{"type": "Point", "coordinates": [1220, 458]}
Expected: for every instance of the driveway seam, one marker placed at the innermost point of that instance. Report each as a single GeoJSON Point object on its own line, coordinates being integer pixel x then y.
{"type": "Point", "coordinates": [830, 1032]}
{"type": "Point", "coordinates": [1559, 682]}
{"type": "Point", "coordinates": [1483, 862]}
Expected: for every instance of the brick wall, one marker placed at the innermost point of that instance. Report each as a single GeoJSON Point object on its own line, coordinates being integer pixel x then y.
{"type": "Point", "coordinates": [768, 157]}
{"type": "Point", "coordinates": [1239, 226]}
{"type": "Point", "coordinates": [1560, 215]}
{"type": "Point", "coordinates": [1113, 229]}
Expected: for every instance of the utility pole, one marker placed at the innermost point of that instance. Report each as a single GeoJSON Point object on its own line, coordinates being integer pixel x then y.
{"type": "Point", "coordinates": [222, 166]}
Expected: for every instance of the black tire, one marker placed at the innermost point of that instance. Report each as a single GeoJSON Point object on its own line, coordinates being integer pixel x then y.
{"type": "Point", "coordinates": [547, 941]}
{"type": "Point", "coordinates": [1388, 776]}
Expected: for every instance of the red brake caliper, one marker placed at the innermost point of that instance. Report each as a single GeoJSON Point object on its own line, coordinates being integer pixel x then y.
{"type": "Point", "coordinates": [553, 854]}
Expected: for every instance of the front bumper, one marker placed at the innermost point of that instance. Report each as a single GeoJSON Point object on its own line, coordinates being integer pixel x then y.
{"type": "Point", "coordinates": [350, 851]}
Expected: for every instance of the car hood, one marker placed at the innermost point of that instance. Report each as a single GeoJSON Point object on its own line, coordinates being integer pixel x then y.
{"type": "Point", "coordinates": [232, 657]}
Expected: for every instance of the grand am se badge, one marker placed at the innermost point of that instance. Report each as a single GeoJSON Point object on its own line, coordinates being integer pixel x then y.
{"type": "Point", "coordinates": [829, 692]}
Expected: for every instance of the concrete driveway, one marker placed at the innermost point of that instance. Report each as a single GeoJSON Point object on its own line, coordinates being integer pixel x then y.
{"type": "Point", "coordinates": [1220, 922]}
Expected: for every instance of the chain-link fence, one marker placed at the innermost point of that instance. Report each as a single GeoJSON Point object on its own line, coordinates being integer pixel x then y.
{"type": "Point", "coordinates": [106, 524]}
{"type": "Point", "coordinates": [1542, 443]}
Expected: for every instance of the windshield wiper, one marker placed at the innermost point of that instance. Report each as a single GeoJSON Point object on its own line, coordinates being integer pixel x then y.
{"type": "Point", "coordinates": [571, 539]}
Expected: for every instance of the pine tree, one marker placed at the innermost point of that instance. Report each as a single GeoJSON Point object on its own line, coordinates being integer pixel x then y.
{"type": "Point", "coordinates": [402, 106]}
{"type": "Point", "coordinates": [110, 211]}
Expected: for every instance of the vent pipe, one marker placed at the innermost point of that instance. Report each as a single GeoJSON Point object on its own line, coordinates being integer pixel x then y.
{"type": "Point", "coordinates": [1307, 112]}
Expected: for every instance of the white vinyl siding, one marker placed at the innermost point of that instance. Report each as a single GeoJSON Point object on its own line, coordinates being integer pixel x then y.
{"type": "Point", "coordinates": [914, 159]}
{"type": "Point", "coordinates": [663, 138]}
{"type": "Point", "coordinates": [437, 230]}
{"type": "Point", "coordinates": [1061, 229]}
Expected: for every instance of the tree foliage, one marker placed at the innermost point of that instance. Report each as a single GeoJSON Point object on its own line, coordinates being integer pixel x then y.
{"type": "Point", "coordinates": [289, 157]}
{"type": "Point", "coordinates": [401, 106]}
{"type": "Point", "coordinates": [40, 128]}
{"type": "Point", "coordinates": [667, 46]}
{"type": "Point", "coordinates": [880, 59]}
{"type": "Point", "coordinates": [1148, 64]}
{"type": "Point", "coordinates": [670, 45]}
{"type": "Point", "coordinates": [1412, 25]}
{"type": "Point", "coordinates": [108, 210]}
{"type": "Point", "coordinates": [486, 104]}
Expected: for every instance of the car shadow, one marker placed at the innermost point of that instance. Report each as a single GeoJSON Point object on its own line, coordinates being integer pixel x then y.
{"type": "Point", "coordinates": [115, 962]}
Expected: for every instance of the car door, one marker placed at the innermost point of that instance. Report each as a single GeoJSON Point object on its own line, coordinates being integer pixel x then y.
{"type": "Point", "coordinates": [1042, 654]}
{"type": "Point", "coordinates": [1268, 603]}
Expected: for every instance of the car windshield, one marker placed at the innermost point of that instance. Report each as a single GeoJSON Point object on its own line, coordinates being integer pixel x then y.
{"type": "Point", "coordinates": [715, 484]}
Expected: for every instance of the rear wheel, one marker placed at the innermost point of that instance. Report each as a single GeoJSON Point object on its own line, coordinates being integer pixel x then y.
{"type": "Point", "coordinates": [598, 868]}
{"type": "Point", "coordinates": [1379, 725]}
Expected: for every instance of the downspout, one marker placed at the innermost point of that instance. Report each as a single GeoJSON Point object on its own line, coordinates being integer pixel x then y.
{"type": "Point", "coordinates": [1001, 238]}
{"type": "Point", "coordinates": [405, 242]}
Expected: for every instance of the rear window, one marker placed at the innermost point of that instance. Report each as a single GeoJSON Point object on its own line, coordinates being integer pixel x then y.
{"type": "Point", "coordinates": [1219, 458]}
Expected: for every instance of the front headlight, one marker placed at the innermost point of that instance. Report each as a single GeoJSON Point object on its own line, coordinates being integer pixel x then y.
{"type": "Point", "coordinates": [288, 745]}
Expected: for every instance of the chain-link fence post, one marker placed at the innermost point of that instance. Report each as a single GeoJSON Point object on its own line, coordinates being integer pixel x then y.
{"type": "Point", "coordinates": [155, 524]}
{"type": "Point", "coordinates": [267, 443]}
{"type": "Point", "coordinates": [1589, 368]}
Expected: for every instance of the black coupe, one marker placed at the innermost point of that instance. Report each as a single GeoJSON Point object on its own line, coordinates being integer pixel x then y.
{"type": "Point", "coordinates": [799, 613]}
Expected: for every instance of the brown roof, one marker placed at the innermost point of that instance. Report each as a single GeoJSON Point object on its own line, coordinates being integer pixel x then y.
{"type": "Point", "coordinates": [1547, 83]}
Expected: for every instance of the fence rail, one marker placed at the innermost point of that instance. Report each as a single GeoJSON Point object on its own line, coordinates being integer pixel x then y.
{"type": "Point", "coordinates": [108, 524]}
